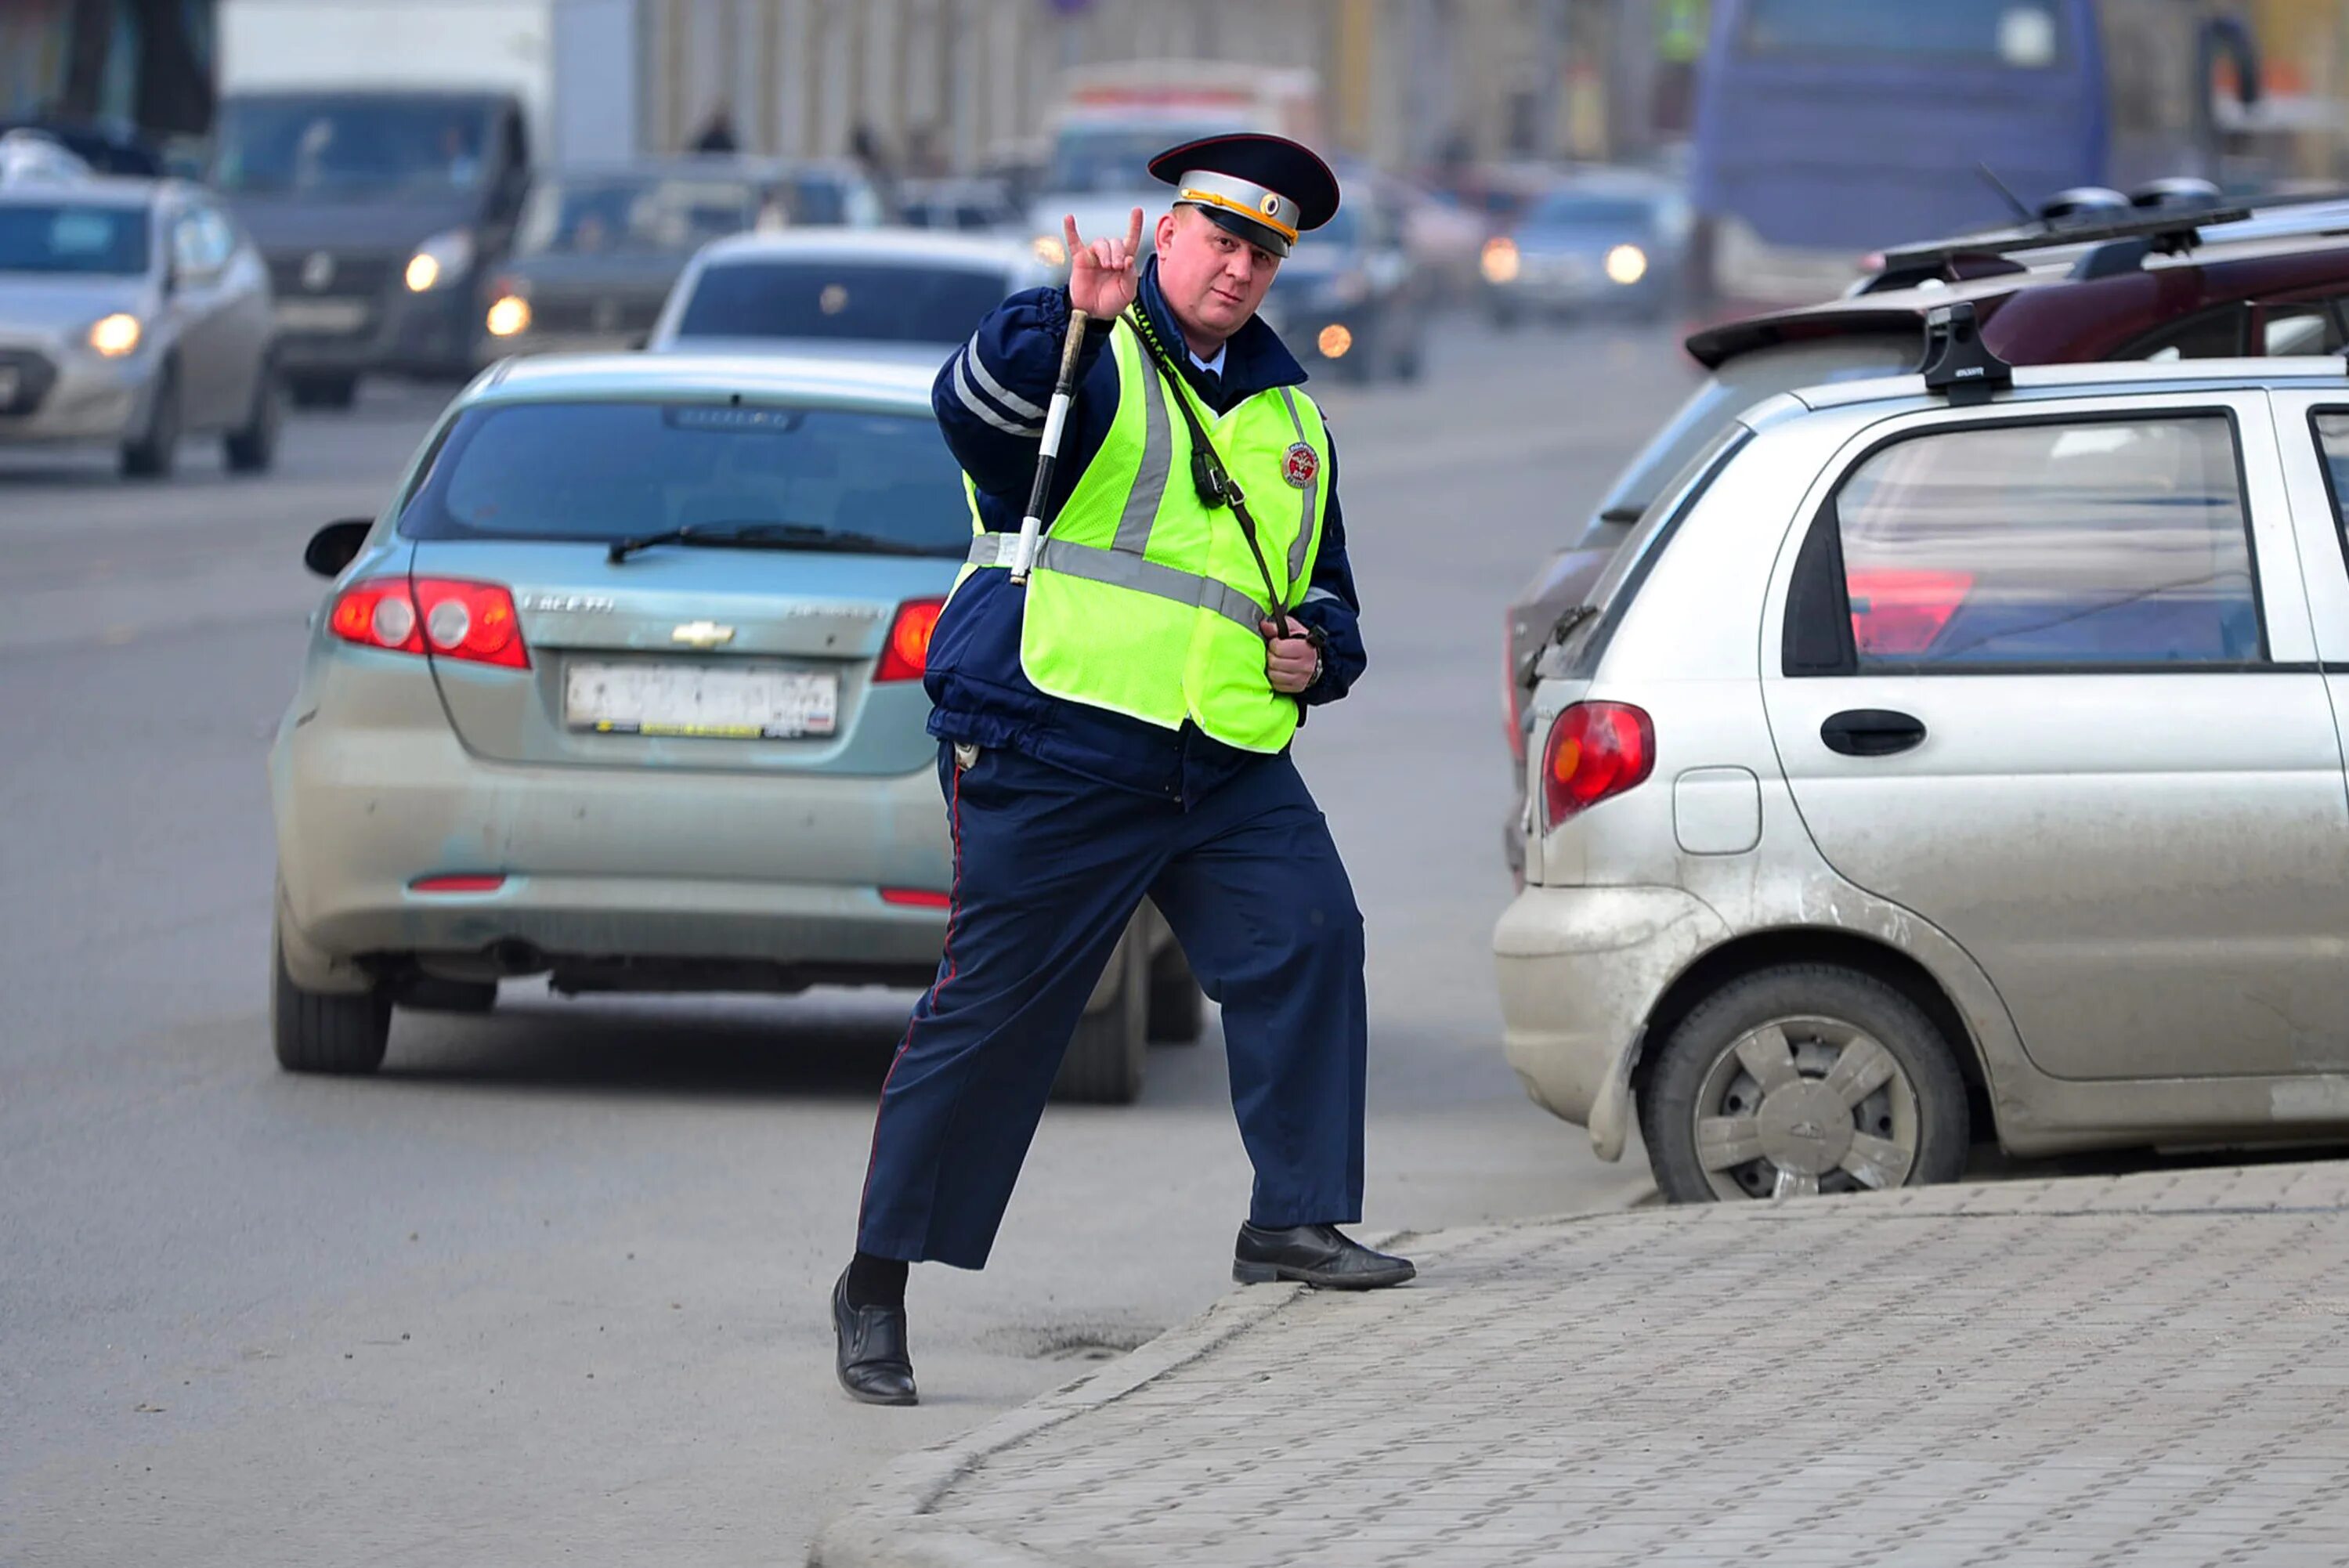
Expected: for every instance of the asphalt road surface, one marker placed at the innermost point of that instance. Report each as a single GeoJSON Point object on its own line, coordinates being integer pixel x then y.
{"type": "Point", "coordinates": [552, 1288]}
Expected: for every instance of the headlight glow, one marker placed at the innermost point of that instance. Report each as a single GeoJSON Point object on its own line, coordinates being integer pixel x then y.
{"type": "Point", "coordinates": [1334, 342]}
{"type": "Point", "coordinates": [1049, 250]}
{"type": "Point", "coordinates": [114, 335]}
{"type": "Point", "coordinates": [509, 316]}
{"type": "Point", "coordinates": [1500, 259]}
{"type": "Point", "coordinates": [439, 262]}
{"type": "Point", "coordinates": [1627, 264]}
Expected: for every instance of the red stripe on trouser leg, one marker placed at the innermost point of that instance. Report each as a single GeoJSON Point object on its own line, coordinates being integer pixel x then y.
{"type": "Point", "coordinates": [954, 913]}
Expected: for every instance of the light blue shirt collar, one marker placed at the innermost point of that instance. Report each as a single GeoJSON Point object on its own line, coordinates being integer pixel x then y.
{"type": "Point", "coordinates": [1212, 366]}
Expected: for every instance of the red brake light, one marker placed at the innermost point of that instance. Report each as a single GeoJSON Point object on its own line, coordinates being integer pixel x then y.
{"type": "Point", "coordinates": [460, 881]}
{"type": "Point", "coordinates": [1596, 749]}
{"type": "Point", "coordinates": [906, 654]}
{"type": "Point", "coordinates": [474, 621]}
{"type": "Point", "coordinates": [916, 898]}
{"type": "Point", "coordinates": [378, 613]}
{"type": "Point", "coordinates": [1900, 610]}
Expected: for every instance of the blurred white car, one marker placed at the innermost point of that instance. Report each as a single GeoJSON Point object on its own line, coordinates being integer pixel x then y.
{"type": "Point", "coordinates": [132, 312]}
{"type": "Point", "coordinates": [852, 291]}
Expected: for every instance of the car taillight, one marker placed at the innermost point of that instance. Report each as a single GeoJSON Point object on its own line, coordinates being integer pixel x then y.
{"type": "Point", "coordinates": [906, 654]}
{"type": "Point", "coordinates": [450, 619]}
{"type": "Point", "coordinates": [1596, 749]}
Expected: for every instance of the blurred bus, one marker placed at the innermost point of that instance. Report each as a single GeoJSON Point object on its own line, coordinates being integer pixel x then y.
{"type": "Point", "coordinates": [1828, 128]}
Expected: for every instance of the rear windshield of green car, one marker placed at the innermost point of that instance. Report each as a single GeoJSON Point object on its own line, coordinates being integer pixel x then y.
{"type": "Point", "coordinates": [602, 471]}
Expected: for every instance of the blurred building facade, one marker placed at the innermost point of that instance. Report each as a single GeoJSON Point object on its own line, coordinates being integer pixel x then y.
{"type": "Point", "coordinates": [947, 84]}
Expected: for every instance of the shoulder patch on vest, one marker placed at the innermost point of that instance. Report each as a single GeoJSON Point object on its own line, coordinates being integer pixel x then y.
{"type": "Point", "coordinates": [1301, 465]}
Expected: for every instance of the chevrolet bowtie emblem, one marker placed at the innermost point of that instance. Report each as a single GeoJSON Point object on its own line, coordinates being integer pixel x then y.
{"type": "Point", "coordinates": [702, 635]}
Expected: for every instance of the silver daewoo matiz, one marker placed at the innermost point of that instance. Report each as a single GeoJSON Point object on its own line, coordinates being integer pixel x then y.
{"type": "Point", "coordinates": [1953, 756]}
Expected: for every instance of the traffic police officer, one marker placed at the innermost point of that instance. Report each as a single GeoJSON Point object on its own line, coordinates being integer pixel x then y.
{"type": "Point", "coordinates": [1119, 725]}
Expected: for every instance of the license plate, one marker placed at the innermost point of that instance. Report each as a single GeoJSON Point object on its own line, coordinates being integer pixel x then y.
{"type": "Point", "coordinates": [11, 381]}
{"type": "Point", "coordinates": [711, 702]}
{"type": "Point", "coordinates": [322, 314]}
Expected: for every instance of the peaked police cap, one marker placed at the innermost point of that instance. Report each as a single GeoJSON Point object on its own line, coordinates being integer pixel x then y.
{"type": "Point", "coordinates": [1266, 189]}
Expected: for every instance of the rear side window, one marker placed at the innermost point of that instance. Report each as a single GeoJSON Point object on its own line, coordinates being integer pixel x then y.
{"type": "Point", "coordinates": [2114, 543]}
{"type": "Point", "coordinates": [2333, 436]}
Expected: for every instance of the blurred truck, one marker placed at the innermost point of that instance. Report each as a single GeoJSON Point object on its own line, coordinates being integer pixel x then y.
{"type": "Point", "coordinates": [380, 152]}
{"type": "Point", "coordinates": [1110, 120]}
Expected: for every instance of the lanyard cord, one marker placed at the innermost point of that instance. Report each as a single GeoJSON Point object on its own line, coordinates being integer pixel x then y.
{"type": "Point", "coordinates": [1208, 476]}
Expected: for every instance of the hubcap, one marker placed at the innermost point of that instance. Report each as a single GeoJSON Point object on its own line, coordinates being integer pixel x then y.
{"type": "Point", "coordinates": [1804, 1105]}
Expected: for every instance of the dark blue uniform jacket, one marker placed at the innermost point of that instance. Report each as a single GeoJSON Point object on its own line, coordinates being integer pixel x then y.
{"type": "Point", "coordinates": [990, 399]}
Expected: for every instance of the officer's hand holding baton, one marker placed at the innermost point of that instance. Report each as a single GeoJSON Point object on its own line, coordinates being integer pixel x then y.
{"type": "Point", "coordinates": [1103, 281]}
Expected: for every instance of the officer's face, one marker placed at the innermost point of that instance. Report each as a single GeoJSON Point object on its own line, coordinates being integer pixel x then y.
{"type": "Point", "coordinates": [1213, 279]}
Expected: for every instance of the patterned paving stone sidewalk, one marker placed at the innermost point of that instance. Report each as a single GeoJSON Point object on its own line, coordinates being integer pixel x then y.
{"type": "Point", "coordinates": [2145, 1370]}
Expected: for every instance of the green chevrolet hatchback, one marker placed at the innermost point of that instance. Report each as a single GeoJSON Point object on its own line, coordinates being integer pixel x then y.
{"type": "Point", "coordinates": [623, 688]}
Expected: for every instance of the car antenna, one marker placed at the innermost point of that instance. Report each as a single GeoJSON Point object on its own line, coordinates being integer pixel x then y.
{"type": "Point", "coordinates": [2023, 214]}
{"type": "Point", "coordinates": [1957, 361]}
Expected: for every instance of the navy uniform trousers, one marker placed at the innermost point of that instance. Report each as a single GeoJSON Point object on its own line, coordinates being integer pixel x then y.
{"type": "Point", "coordinates": [1048, 867]}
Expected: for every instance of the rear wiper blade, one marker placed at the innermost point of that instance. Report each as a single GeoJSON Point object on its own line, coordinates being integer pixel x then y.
{"type": "Point", "coordinates": [769, 536]}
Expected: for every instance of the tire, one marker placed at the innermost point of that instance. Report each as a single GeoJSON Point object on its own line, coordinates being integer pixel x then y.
{"type": "Point", "coordinates": [320, 389]}
{"type": "Point", "coordinates": [1803, 1132]}
{"type": "Point", "coordinates": [1106, 1058]}
{"type": "Point", "coordinates": [1178, 1008]}
{"type": "Point", "coordinates": [150, 454]}
{"type": "Point", "coordinates": [315, 1032]}
{"type": "Point", "coordinates": [251, 448]}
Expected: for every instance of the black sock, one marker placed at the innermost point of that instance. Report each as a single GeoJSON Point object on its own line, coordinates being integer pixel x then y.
{"type": "Point", "coordinates": [876, 1281]}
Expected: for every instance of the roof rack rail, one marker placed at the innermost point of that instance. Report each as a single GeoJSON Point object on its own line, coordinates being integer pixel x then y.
{"type": "Point", "coordinates": [2164, 234]}
{"type": "Point", "coordinates": [1957, 361]}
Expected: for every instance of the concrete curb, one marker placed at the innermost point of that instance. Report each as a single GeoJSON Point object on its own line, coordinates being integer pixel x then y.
{"type": "Point", "coordinates": [892, 1526]}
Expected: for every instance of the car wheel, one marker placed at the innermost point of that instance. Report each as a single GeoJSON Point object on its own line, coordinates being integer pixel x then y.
{"type": "Point", "coordinates": [319, 391]}
{"type": "Point", "coordinates": [1105, 1059]}
{"type": "Point", "coordinates": [1803, 1079]}
{"type": "Point", "coordinates": [321, 1032]}
{"type": "Point", "coordinates": [148, 455]}
{"type": "Point", "coordinates": [1178, 1008]}
{"type": "Point", "coordinates": [252, 448]}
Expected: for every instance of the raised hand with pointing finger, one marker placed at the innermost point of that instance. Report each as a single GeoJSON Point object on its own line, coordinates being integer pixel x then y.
{"type": "Point", "coordinates": [1104, 275]}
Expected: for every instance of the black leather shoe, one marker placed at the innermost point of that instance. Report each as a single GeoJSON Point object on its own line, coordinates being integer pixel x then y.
{"type": "Point", "coordinates": [873, 1362]}
{"type": "Point", "coordinates": [1315, 1254]}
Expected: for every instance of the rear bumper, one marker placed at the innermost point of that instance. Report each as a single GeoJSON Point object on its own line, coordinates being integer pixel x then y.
{"type": "Point", "coordinates": [1580, 969]}
{"type": "Point", "coordinates": [748, 881]}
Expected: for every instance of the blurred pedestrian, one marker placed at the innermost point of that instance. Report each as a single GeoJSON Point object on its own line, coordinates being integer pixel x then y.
{"type": "Point", "coordinates": [716, 134]}
{"type": "Point", "coordinates": [1118, 728]}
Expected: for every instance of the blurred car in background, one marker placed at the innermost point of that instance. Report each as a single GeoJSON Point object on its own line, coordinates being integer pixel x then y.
{"type": "Point", "coordinates": [829, 193]}
{"type": "Point", "coordinates": [971, 206]}
{"type": "Point", "coordinates": [380, 212]}
{"type": "Point", "coordinates": [639, 659]}
{"type": "Point", "coordinates": [1348, 299]}
{"type": "Point", "coordinates": [878, 293]}
{"type": "Point", "coordinates": [132, 312]}
{"type": "Point", "coordinates": [599, 249]}
{"type": "Point", "coordinates": [2149, 285]}
{"type": "Point", "coordinates": [1602, 242]}
{"type": "Point", "coordinates": [102, 149]}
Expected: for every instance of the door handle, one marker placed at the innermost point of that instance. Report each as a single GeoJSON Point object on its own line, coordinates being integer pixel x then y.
{"type": "Point", "coordinates": [1871, 732]}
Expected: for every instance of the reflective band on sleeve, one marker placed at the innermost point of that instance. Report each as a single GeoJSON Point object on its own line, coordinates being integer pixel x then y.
{"type": "Point", "coordinates": [1315, 595]}
{"type": "Point", "coordinates": [979, 406]}
{"type": "Point", "coordinates": [1123, 571]}
{"type": "Point", "coordinates": [996, 389]}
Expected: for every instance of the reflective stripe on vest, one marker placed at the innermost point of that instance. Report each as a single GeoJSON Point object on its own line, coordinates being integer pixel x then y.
{"type": "Point", "coordinates": [1124, 571]}
{"type": "Point", "coordinates": [1145, 601]}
